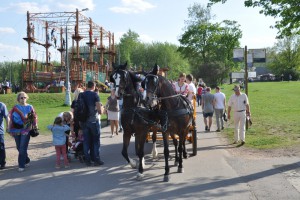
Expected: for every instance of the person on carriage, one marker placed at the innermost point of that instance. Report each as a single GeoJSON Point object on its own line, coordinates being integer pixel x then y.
{"type": "Point", "coordinates": [181, 87]}
{"type": "Point", "coordinates": [191, 87]}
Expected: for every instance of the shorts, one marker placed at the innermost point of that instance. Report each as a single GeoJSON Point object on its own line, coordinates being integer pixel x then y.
{"type": "Point", "coordinates": [205, 115]}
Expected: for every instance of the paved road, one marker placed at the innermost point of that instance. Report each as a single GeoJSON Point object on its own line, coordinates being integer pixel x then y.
{"type": "Point", "coordinates": [214, 173]}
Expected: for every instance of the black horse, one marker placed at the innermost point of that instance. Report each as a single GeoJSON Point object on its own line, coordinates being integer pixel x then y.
{"type": "Point", "coordinates": [136, 119]}
{"type": "Point", "coordinates": [160, 94]}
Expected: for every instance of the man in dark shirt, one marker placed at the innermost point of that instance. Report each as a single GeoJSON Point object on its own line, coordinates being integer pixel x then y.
{"type": "Point", "coordinates": [91, 127]}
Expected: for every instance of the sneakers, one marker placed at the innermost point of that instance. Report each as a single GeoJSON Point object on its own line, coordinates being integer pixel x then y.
{"type": "Point", "coordinates": [243, 142]}
{"type": "Point", "coordinates": [206, 128]}
{"type": "Point", "coordinates": [218, 130]}
{"type": "Point", "coordinates": [21, 169]}
{"type": "Point", "coordinates": [98, 163]}
{"type": "Point", "coordinates": [222, 127]}
{"type": "Point", "coordinates": [2, 166]}
{"type": "Point", "coordinates": [120, 130]}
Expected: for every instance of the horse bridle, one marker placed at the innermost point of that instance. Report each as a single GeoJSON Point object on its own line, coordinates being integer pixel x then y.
{"type": "Point", "coordinates": [125, 74]}
{"type": "Point", "coordinates": [155, 91]}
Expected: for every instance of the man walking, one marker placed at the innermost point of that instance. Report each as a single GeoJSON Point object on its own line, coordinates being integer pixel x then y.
{"type": "Point", "coordinates": [240, 103]}
{"type": "Point", "coordinates": [207, 103]}
{"type": "Point", "coordinates": [220, 105]}
{"type": "Point", "coordinates": [3, 115]}
{"type": "Point", "coordinates": [91, 127]}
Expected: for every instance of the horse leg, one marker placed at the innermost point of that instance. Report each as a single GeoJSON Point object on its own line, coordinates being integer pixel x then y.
{"type": "Point", "coordinates": [175, 142]}
{"type": "Point", "coordinates": [139, 149]}
{"type": "Point", "coordinates": [180, 149]}
{"type": "Point", "coordinates": [184, 150]}
{"type": "Point", "coordinates": [126, 141]}
{"type": "Point", "coordinates": [166, 154]}
{"type": "Point", "coordinates": [154, 149]}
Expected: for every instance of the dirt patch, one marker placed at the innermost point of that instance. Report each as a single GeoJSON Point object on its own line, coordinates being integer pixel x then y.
{"type": "Point", "coordinates": [38, 147]}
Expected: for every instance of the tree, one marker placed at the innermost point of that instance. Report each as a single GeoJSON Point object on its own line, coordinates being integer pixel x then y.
{"type": "Point", "coordinates": [284, 57]}
{"type": "Point", "coordinates": [288, 11]}
{"type": "Point", "coordinates": [128, 44]}
{"type": "Point", "coordinates": [209, 46]}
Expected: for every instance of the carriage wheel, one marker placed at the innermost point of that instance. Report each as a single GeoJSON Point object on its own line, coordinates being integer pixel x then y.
{"type": "Point", "coordinates": [194, 141]}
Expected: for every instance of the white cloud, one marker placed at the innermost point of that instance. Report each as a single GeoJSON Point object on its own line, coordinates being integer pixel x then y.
{"type": "Point", "coordinates": [12, 53]}
{"type": "Point", "coordinates": [7, 30]}
{"type": "Point", "coordinates": [71, 5]}
{"type": "Point", "coordinates": [32, 7]}
{"type": "Point", "coordinates": [132, 6]}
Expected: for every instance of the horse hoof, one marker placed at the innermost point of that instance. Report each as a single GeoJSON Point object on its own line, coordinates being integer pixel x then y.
{"type": "Point", "coordinates": [139, 177]}
{"type": "Point", "coordinates": [154, 154]}
{"type": "Point", "coordinates": [180, 170]}
{"type": "Point", "coordinates": [133, 163]}
{"type": "Point", "coordinates": [166, 178]}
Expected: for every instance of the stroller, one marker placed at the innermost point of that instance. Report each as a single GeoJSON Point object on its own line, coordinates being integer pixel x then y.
{"type": "Point", "coordinates": [76, 147]}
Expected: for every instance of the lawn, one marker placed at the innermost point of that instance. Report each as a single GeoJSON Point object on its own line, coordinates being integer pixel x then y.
{"type": "Point", "coordinates": [275, 110]}
{"type": "Point", "coordinates": [47, 106]}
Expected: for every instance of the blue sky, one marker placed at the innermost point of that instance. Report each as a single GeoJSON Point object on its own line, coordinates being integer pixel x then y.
{"type": "Point", "coordinates": [153, 20]}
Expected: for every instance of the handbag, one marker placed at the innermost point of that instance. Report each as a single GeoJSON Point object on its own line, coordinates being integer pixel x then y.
{"type": "Point", "coordinates": [34, 132]}
{"type": "Point", "coordinates": [225, 116]}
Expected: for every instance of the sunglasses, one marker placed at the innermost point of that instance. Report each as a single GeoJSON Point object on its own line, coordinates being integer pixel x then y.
{"type": "Point", "coordinates": [23, 97]}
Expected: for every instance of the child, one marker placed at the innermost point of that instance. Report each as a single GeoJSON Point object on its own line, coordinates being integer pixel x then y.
{"type": "Point", "coordinates": [59, 140]}
{"type": "Point", "coordinates": [77, 146]}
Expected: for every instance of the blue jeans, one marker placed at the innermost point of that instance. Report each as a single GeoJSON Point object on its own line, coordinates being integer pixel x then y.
{"type": "Point", "coordinates": [91, 140]}
{"type": "Point", "coordinates": [2, 150]}
{"type": "Point", "coordinates": [22, 142]}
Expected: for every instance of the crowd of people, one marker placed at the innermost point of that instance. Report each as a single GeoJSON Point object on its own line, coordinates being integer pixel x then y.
{"type": "Point", "coordinates": [86, 134]}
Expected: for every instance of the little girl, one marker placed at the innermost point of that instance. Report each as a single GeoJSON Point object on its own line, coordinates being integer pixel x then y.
{"type": "Point", "coordinates": [59, 140]}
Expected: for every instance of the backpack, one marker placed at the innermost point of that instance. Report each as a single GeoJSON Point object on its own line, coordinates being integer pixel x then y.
{"type": "Point", "coordinates": [80, 109]}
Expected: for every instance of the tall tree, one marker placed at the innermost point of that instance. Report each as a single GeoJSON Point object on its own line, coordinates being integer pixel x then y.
{"type": "Point", "coordinates": [284, 57]}
{"type": "Point", "coordinates": [209, 46]}
{"type": "Point", "coordinates": [128, 44]}
{"type": "Point", "coordinates": [287, 11]}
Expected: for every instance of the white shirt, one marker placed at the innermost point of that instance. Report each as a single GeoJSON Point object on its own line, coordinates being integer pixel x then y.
{"type": "Point", "coordinates": [238, 103]}
{"type": "Point", "coordinates": [219, 100]}
{"type": "Point", "coordinates": [192, 89]}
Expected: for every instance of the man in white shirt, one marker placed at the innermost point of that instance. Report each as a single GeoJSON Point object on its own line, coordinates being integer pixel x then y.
{"type": "Point", "coordinates": [220, 105]}
{"type": "Point", "coordinates": [191, 87]}
{"type": "Point", "coordinates": [240, 103]}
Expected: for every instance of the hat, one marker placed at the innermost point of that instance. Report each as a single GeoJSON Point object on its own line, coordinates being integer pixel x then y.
{"type": "Point", "coordinates": [236, 88]}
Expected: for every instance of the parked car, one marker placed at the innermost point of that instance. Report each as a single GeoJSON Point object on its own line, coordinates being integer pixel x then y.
{"type": "Point", "coordinates": [266, 77]}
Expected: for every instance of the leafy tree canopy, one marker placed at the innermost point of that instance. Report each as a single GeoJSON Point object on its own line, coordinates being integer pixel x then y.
{"type": "Point", "coordinates": [287, 11]}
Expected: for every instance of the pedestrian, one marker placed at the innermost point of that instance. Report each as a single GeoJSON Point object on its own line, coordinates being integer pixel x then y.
{"type": "Point", "coordinates": [181, 87]}
{"type": "Point", "coordinates": [112, 107]}
{"type": "Point", "coordinates": [208, 101]}
{"type": "Point", "coordinates": [3, 115]}
{"type": "Point", "coordinates": [290, 77]}
{"type": "Point", "coordinates": [58, 130]}
{"type": "Point", "coordinates": [76, 122]}
{"type": "Point", "coordinates": [282, 76]}
{"type": "Point", "coordinates": [91, 127]}
{"type": "Point", "coordinates": [22, 118]}
{"type": "Point", "coordinates": [240, 104]}
{"type": "Point", "coordinates": [199, 93]}
{"type": "Point", "coordinates": [191, 88]}
{"type": "Point", "coordinates": [220, 105]}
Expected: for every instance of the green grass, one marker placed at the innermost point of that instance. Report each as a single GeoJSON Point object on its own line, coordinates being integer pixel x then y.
{"type": "Point", "coordinates": [275, 112]}
{"type": "Point", "coordinates": [47, 106]}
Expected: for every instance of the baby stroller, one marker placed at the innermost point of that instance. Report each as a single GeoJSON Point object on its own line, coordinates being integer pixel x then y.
{"type": "Point", "coordinates": [76, 148]}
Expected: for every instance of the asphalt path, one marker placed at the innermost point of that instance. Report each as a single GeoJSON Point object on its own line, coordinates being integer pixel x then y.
{"type": "Point", "coordinates": [215, 173]}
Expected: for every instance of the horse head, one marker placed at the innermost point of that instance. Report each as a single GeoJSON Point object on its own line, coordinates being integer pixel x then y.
{"type": "Point", "coordinates": [119, 78]}
{"type": "Point", "coordinates": [151, 86]}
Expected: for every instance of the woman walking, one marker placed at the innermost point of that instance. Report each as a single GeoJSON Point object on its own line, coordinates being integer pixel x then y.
{"type": "Point", "coordinates": [23, 118]}
{"type": "Point", "coordinates": [112, 107]}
